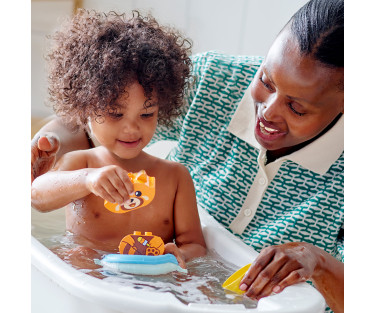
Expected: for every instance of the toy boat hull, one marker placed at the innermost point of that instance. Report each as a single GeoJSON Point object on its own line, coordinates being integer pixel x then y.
{"type": "Point", "coordinates": [141, 264]}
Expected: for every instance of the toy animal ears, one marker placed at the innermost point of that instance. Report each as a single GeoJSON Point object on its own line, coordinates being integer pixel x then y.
{"type": "Point", "coordinates": [144, 192]}
{"type": "Point", "coordinates": [142, 178]}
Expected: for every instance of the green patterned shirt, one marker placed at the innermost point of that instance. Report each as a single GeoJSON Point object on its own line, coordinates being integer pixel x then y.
{"type": "Point", "coordinates": [296, 198]}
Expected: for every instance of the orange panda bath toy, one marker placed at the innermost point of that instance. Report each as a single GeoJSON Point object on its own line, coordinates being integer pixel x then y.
{"type": "Point", "coordinates": [144, 191]}
{"type": "Point", "coordinates": [138, 244]}
{"type": "Point", "coordinates": [141, 255]}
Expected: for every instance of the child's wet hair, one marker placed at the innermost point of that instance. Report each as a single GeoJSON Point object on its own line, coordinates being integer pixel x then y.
{"type": "Point", "coordinates": [95, 56]}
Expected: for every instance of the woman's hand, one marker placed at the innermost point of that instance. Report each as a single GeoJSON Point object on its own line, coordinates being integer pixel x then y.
{"type": "Point", "coordinates": [278, 267]}
{"type": "Point", "coordinates": [173, 249]}
{"type": "Point", "coordinates": [111, 183]}
{"type": "Point", "coordinates": [43, 153]}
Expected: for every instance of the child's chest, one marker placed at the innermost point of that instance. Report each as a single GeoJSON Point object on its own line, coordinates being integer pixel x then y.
{"type": "Point", "coordinates": [89, 217]}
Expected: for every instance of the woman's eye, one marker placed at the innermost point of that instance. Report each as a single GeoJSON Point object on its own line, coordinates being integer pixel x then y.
{"type": "Point", "coordinates": [265, 84]}
{"type": "Point", "coordinates": [291, 106]}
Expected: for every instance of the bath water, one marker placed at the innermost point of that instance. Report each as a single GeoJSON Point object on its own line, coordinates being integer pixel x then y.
{"type": "Point", "coordinates": [202, 284]}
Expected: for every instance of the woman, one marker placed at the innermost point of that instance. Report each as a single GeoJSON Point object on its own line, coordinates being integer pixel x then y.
{"type": "Point", "coordinates": [263, 140]}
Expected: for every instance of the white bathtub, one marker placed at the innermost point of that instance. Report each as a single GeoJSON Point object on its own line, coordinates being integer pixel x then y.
{"type": "Point", "coordinates": [59, 288]}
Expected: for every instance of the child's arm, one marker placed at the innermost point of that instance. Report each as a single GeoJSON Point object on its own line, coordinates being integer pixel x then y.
{"type": "Point", "coordinates": [188, 234]}
{"type": "Point", "coordinates": [71, 180]}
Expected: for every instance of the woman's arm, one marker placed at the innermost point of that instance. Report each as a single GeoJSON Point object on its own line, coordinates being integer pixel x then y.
{"type": "Point", "coordinates": [51, 142]}
{"type": "Point", "coordinates": [328, 278]}
{"type": "Point", "coordinates": [280, 266]}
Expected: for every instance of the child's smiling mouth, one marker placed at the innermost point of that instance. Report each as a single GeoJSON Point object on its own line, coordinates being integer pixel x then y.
{"type": "Point", "coordinates": [130, 144]}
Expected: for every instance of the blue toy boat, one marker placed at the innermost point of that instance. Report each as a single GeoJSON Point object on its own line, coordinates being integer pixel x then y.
{"type": "Point", "coordinates": [141, 264]}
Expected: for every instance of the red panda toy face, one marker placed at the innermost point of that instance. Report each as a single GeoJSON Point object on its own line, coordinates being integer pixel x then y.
{"type": "Point", "coordinates": [144, 192]}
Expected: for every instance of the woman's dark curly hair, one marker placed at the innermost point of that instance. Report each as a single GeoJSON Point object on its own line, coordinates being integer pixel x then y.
{"type": "Point", "coordinates": [95, 56]}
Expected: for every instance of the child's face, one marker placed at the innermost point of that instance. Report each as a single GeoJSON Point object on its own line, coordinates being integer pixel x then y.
{"type": "Point", "coordinates": [295, 96]}
{"type": "Point", "coordinates": [128, 130]}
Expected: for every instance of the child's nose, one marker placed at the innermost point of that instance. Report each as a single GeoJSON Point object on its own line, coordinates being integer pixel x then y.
{"type": "Point", "coordinates": [130, 125]}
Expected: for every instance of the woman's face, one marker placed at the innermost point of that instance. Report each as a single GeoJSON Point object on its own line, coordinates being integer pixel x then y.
{"type": "Point", "coordinates": [295, 97]}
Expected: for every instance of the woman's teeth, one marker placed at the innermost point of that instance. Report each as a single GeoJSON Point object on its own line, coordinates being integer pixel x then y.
{"type": "Point", "coordinates": [267, 130]}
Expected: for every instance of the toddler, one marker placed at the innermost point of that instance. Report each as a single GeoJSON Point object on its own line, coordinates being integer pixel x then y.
{"type": "Point", "coordinates": [118, 77]}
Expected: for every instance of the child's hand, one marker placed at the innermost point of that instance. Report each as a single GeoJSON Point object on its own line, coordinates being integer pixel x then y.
{"type": "Point", "coordinates": [173, 249]}
{"type": "Point", "coordinates": [110, 183]}
{"type": "Point", "coordinates": [43, 153]}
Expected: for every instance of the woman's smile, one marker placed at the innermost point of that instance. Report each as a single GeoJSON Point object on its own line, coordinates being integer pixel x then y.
{"type": "Point", "coordinates": [266, 131]}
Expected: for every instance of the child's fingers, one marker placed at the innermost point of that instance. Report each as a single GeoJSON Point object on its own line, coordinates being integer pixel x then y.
{"type": "Point", "coordinates": [111, 183]}
{"type": "Point", "coordinates": [43, 153]}
{"type": "Point", "coordinates": [99, 182]}
{"type": "Point", "coordinates": [101, 192]}
{"type": "Point", "coordinates": [173, 249]}
{"type": "Point", "coordinates": [125, 181]}
{"type": "Point", "coordinates": [118, 183]}
{"type": "Point", "coordinates": [112, 191]}
{"type": "Point", "coordinates": [49, 143]}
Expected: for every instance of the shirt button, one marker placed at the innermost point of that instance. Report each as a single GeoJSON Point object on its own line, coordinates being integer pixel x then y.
{"type": "Point", "coordinates": [262, 181]}
{"type": "Point", "coordinates": [248, 212]}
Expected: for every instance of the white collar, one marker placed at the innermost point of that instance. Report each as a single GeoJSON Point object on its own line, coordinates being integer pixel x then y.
{"type": "Point", "coordinates": [318, 156]}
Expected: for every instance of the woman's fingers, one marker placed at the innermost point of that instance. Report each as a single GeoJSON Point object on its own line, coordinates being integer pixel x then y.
{"type": "Point", "coordinates": [257, 267]}
{"type": "Point", "coordinates": [291, 273]}
{"type": "Point", "coordinates": [297, 276]}
{"type": "Point", "coordinates": [269, 271]}
{"type": "Point", "coordinates": [277, 267]}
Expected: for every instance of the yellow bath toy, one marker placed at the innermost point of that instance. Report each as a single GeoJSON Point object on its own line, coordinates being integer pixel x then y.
{"type": "Point", "coordinates": [138, 244]}
{"type": "Point", "coordinates": [232, 283]}
{"type": "Point", "coordinates": [144, 191]}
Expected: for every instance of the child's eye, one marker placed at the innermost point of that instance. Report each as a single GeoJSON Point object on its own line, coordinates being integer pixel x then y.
{"type": "Point", "coordinates": [267, 86]}
{"type": "Point", "coordinates": [147, 115]}
{"type": "Point", "coordinates": [115, 116]}
{"type": "Point", "coordinates": [291, 106]}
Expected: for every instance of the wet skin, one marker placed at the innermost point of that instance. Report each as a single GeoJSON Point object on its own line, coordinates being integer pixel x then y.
{"type": "Point", "coordinates": [82, 180]}
{"type": "Point", "coordinates": [89, 218]}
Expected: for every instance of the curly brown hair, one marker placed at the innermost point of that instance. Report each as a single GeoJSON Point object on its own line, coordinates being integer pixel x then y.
{"type": "Point", "coordinates": [95, 56]}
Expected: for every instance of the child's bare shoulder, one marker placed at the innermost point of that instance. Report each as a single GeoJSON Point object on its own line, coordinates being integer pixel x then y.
{"type": "Point", "coordinates": [178, 169]}
{"type": "Point", "coordinates": [77, 159]}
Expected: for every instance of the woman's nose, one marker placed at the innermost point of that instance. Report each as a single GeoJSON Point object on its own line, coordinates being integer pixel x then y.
{"type": "Point", "coordinates": [271, 109]}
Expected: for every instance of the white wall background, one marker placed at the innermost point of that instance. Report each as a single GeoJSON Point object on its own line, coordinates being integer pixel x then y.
{"type": "Point", "coordinates": [231, 26]}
